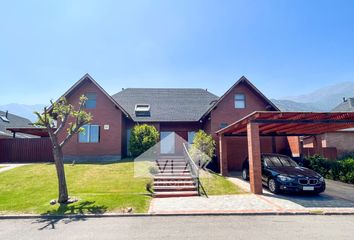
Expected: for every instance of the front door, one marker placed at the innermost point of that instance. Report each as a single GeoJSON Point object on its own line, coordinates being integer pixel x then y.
{"type": "Point", "coordinates": [167, 142]}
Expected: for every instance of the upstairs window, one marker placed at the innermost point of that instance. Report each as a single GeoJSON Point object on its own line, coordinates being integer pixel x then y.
{"type": "Point", "coordinates": [91, 134]}
{"type": "Point", "coordinates": [240, 100]}
{"type": "Point", "coordinates": [223, 125]}
{"type": "Point", "coordinates": [142, 110]}
{"type": "Point", "coordinates": [91, 100]}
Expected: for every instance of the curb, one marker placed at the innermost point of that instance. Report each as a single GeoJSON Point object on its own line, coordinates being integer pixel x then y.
{"type": "Point", "coordinates": [114, 215]}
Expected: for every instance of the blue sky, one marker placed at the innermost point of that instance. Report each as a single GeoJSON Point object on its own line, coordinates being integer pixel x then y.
{"type": "Point", "coordinates": [284, 47]}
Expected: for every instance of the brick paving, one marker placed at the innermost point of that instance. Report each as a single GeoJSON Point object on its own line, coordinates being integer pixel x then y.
{"type": "Point", "coordinates": [251, 203]}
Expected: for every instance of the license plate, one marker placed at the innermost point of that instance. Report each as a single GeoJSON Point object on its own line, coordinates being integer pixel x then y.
{"type": "Point", "coordinates": [308, 188]}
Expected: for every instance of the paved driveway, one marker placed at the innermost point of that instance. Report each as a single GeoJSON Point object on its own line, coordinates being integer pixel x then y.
{"type": "Point", "coordinates": [338, 198]}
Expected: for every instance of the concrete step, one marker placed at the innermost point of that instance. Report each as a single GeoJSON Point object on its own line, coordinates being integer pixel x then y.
{"type": "Point", "coordinates": [181, 168]}
{"type": "Point", "coordinates": [176, 194]}
{"type": "Point", "coordinates": [173, 178]}
{"type": "Point", "coordinates": [178, 171]}
{"type": "Point", "coordinates": [174, 183]}
{"type": "Point", "coordinates": [174, 188]}
{"type": "Point", "coordinates": [186, 174]}
{"type": "Point", "coordinates": [161, 163]}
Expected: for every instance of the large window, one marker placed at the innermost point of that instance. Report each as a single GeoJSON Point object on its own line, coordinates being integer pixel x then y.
{"type": "Point", "coordinates": [91, 134]}
{"type": "Point", "coordinates": [91, 100]}
{"type": "Point", "coordinates": [240, 100]}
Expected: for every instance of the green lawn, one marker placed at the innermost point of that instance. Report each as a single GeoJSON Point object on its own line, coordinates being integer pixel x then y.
{"type": "Point", "coordinates": [215, 184]}
{"type": "Point", "coordinates": [99, 188]}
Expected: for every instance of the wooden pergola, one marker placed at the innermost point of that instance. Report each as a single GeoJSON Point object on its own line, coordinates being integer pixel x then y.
{"type": "Point", "coordinates": [272, 123]}
{"type": "Point", "coordinates": [41, 132]}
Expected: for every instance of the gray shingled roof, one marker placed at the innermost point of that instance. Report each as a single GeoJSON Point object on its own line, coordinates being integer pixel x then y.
{"type": "Point", "coordinates": [345, 106]}
{"type": "Point", "coordinates": [14, 121]}
{"type": "Point", "coordinates": [166, 104]}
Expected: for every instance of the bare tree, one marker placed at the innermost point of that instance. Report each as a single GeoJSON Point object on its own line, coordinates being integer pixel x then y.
{"type": "Point", "coordinates": [65, 115]}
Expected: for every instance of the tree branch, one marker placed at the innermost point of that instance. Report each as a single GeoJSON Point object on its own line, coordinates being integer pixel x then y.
{"type": "Point", "coordinates": [63, 122]}
{"type": "Point", "coordinates": [72, 132]}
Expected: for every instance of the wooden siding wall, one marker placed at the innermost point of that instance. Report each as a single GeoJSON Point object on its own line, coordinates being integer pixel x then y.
{"type": "Point", "coordinates": [25, 150]}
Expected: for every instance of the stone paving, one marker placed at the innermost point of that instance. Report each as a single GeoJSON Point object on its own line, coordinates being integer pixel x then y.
{"type": "Point", "coordinates": [251, 203]}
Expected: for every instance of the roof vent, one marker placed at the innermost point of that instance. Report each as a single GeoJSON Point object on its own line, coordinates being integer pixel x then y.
{"type": "Point", "coordinates": [142, 110]}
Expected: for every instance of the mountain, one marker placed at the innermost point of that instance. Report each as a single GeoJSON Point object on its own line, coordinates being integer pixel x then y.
{"type": "Point", "coordinates": [323, 99]}
{"type": "Point", "coordinates": [23, 110]}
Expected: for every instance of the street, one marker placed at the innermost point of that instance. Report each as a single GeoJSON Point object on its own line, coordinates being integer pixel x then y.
{"type": "Point", "coordinates": [182, 227]}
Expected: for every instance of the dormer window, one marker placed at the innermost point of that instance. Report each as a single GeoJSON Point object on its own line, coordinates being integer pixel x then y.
{"type": "Point", "coordinates": [240, 100]}
{"type": "Point", "coordinates": [4, 119]}
{"type": "Point", "coordinates": [142, 110]}
{"type": "Point", "coordinates": [91, 100]}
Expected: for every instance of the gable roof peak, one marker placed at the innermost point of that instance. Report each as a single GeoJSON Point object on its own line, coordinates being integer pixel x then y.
{"type": "Point", "coordinates": [242, 79]}
{"type": "Point", "coordinates": [88, 77]}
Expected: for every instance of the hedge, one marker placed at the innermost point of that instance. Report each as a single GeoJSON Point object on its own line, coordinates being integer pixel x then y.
{"type": "Point", "coordinates": [342, 170]}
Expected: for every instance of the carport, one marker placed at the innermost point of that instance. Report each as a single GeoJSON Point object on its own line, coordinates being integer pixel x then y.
{"type": "Point", "coordinates": [271, 123]}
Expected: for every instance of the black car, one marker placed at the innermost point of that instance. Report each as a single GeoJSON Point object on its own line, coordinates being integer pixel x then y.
{"type": "Point", "coordinates": [281, 173]}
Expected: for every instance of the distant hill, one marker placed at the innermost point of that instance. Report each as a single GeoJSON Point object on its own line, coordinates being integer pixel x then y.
{"type": "Point", "coordinates": [22, 110]}
{"type": "Point", "coordinates": [322, 99]}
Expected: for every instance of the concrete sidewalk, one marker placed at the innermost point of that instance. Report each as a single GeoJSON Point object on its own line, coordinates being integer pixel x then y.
{"type": "Point", "coordinates": [8, 166]}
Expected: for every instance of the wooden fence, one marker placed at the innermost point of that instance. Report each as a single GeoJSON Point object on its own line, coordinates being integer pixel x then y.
{"type": "Point", "coordinates": [327, 152]}
{"type": "Point", "coordinates": [25, 150]}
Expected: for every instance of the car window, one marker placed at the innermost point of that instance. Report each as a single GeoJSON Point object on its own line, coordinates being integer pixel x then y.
{"type": "Point", "coordinates": [275, 161]}
{"type": "Point", "coordinates": [287, 162]}
{"type": "Point", "coordinates": [268, 162]}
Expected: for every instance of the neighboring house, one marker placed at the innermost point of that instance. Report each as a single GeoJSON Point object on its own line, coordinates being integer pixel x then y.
{"type": "Point", "coordinates": [180, 111]}
{"type": "Point", "coordinates": [340, 142]}
{"type": "Point", "coordinates": [8, 120]}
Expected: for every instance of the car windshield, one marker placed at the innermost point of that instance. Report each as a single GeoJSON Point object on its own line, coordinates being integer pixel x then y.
{"type": "Point", "coordinates": [279, 161]}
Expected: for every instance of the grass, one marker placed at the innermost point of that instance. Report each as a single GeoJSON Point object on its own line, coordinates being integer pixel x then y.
{"type": "Point", "coordinates": [215, 184]}
{"type": "Point", "coordinates": [99, 188]}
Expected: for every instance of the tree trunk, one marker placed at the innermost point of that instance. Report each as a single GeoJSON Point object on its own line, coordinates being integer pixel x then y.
{"type": "Point", "coordinates": [59, 165]}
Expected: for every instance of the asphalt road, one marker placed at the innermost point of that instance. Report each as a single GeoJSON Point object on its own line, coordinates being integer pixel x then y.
{"type": "Point", "coordinates": [183, 227]}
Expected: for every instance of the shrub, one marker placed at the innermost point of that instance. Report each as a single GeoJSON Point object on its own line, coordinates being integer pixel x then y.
{"type": "Point", "coordinates": [342, 170]}
{"type": "Point", "coordinates": [347, 170]}
{"type": "Point", "coordinates": [203, 148]}
{"type": "Point", "coordinates": [142, 138]}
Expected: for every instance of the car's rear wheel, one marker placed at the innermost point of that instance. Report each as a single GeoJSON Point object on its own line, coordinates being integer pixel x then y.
{"type": "Point", "coordinates": [245, 174]}
{"type": "Point", "coordinates": [272, 186]}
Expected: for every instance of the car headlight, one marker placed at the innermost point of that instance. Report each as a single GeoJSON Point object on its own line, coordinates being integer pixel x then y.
{"type": "Point", "coordinates": [321, 179]}
{"type": "Point", "coordinates": [284, 178]}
